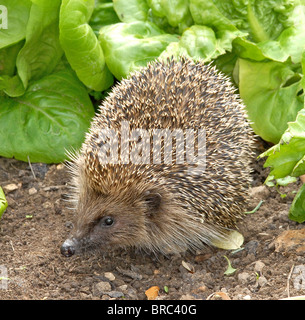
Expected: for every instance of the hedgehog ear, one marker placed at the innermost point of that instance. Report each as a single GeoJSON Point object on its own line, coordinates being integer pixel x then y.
{"type": "Point", "coordinates": [152, 200]}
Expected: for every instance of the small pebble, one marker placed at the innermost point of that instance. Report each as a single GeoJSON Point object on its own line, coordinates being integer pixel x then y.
{"type": "Point", "coordinates": [110, 276]}
{"type": "Point", "coordinates": [32, 191]}
{"type": "Point", "coordinates": [10, 187]}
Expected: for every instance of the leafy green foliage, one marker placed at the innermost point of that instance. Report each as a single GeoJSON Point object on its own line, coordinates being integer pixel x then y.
{"type": "Point", "coordinates": [270, 99]}
{"type": "Point", "coordinates": [287, 159]}
{"type": "Point", "coordinates": [81, 46]}
{"type": "Point", "coordinates": [297, 208]}
{"type": "Point", "coordinates": [128, 46]}
{"type": "Point", "coordinates": [41, 51]}
{"type": "Point", "coordinates": [18, 12]}
{"type": "Point", "coordinates": [54, 113]}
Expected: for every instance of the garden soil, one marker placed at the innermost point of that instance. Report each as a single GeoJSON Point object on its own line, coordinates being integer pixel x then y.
{"type": "Point", "coordinates": [270, 265]}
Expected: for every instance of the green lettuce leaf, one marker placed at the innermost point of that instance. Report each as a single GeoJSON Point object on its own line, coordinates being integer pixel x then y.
{"type": "Point", "coordinates": [201, 42]}
{"type": "Point", "coordinates": [17, 13]}
{"type": "Point", "coordinates": [10, 83]}
{"type": "Point", "coordinates": [12, 86]}
{"type": "Point", "coordinates": [131, 10]}
{"type": "Point", "coordinates": [49, 118]}
{"type": "Point", "coordinates": [81, 45]}
{"type": "Point", "coordinates": [175, 13]}
{"type": "Point", "coordinates": [8, 58]}
{"type": "Point", "coordinates": [287, 158]}
{"type": "Point", "coordinates": [42, 50]}
{"type": "Point", "coordinates": [261, 20]}
{"type": "Point", "coordinates": [289, 43]}
{"type": "Point", "coordinates": [102, 15]}
{"type": "Point", "coordinates": [129, 46]}
{"type": "Point", "coordinates": [297, 208]}
{"type": "Point", "coordinates": [272, 92]}
{"type": "Point", "coordinates": [208, 13]}
{"type": "Point", "coordinates": [196, 42]}
{"type": "Point", "coordinates": [3, 202]}
{"type": "Point", "coordinates": [174, 49]}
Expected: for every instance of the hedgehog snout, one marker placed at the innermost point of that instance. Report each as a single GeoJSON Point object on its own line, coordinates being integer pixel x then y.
{"type": "Point", "coordinates": [69, 247]}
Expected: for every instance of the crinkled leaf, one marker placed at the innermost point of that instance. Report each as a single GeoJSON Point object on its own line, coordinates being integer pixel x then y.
{"type": "Point", "coordinates": [297, 208]}
{"type": "Point", "coordinates": [271, 92]}
{"type": "Point", "coordinates": [287, 157]}
{"type": "Point", "coordinates": [290, 43]}
{"type": "Point", "coordinates": [209, 13]}
{"type": "Point", "coordinates": [176, 13]}
{"type": "Point", "coordinates": [42, 50]}
{"type": "Point", "coordinates": [81, 45]}
{"type": "Point", "coordinates": [249, 50]}
{"type": "Point", "coordinates": [103, 15]}
{"type": "Point", "coordinates": [128, 46]}
{"type": "Point", "coordinates": [8, 57]}
{"type": "Point", "coordinates": [201, 42]}
{"type": "Point", "coordinates": [17, 14]}
{"type": "Point", "coordinates": [261, 20]}
{"type": "Point", "coordinates": [11, 84]}
{"type": "Point", "coordinates": [131, 10]}
{"type": "Point", "coordinates": [174, 49]}
{"type": "Point", "coordinates": [51, 116]}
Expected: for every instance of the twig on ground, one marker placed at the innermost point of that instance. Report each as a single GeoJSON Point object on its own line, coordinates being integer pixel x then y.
{"type": "Point", "coordinates": [288, 280]}
{"type": "Point", "coordinates": [34, 175]}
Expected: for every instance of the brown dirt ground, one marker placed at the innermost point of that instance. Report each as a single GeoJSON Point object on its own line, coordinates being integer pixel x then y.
{"type": "Point", "coordinates": [37, 221]}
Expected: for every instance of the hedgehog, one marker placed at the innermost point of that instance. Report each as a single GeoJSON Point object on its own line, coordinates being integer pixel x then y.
{"type": "Point", "coordinates": [166, 164]}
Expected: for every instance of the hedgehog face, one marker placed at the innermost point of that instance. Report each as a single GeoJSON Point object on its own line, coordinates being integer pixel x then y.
{"type": "Point", "coordinates": [105, 222]}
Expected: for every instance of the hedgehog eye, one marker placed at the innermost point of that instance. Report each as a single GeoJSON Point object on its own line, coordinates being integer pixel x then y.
{"type": "Point", "coordinates": [107, 221]}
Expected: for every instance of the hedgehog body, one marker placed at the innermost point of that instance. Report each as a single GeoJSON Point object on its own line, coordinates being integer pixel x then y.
{"type": "Point", "coordinates": [127, 192]}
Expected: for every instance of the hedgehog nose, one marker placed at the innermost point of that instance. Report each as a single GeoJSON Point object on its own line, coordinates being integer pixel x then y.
{"type": "Point", "coordinates": [68, 248]}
